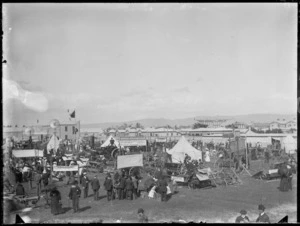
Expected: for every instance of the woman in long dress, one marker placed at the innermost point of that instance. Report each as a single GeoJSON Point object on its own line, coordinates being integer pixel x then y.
{"type": "Point", "coordinates": [55, 201]}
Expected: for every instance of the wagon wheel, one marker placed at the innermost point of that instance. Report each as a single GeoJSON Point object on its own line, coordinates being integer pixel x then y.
{"type": "Point", "coordinates": [114, 153]}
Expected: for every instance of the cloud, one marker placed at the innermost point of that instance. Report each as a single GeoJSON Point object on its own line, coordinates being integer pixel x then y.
{"type": "Point", "coordinates": [182, 90]}
{"type": "Point", "coordinates": [199, 79]}
{"type": "Point", "coordinates": [36, 101]}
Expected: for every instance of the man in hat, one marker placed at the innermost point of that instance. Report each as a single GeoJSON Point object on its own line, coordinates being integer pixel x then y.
{"type": "Point", "coordinates": [243, 218]}
{"type": "Point", "coordinates": [284, 175]}
{"type": "Point", "coordinates": [263, 217]}
{"type": "Point", "coordinates": [162, 187]}
{"type": "Point", "coordinates": [95, 186]}
{"type": "Point", "coordinates": [108, 185]}
{"type": "Point", "coordinates": [85, 185]}
{"type": "Point", "coordinates": [142, 217]}
{"type": "Point", "coordinates": [74, 195]}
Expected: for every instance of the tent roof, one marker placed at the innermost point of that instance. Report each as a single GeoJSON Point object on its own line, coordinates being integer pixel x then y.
{"type": "Point", "coordinates": [107, 142]}
{"type": "Point", "coordinates": [184, 147]}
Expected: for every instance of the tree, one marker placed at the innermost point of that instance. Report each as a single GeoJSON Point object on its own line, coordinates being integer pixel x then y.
{"type": "Point", "coordinates": [231, 126]}
{"type": "Point", "coordinates": [274, 131]}
{"type": "Point", "coordinates": [139, 125]}
{"type": "Point", "coordinates": [199, 125]}
{"type": "Point", "coordinates": [256, 131]}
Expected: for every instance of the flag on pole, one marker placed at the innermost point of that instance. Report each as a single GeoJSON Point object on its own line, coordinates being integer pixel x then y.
{"type": "Point", "coordinates": [73, 114]}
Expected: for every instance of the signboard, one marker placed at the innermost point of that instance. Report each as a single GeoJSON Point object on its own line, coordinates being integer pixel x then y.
{"type": "Point", "coordinates": [228, 135]}
{"type": "Point", "coordinates": [125, 161]}
{"type": "Point", "coordinates": [177, 179]}
{"type": "Point", "coordinates": [28, 153]}
{"type": "Point", "coordinates": [128, 143]}
{"type": "Point", "coordinates": [238, 145]}
{"type": "Point", "coordinates": [161, 140]}
{"type": "Point", "coordinates": [65, 168]}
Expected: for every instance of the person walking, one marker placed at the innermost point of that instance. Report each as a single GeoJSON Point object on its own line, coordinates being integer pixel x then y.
{"type": "Point", "coordinates": [74, 195]}
{"type": "Point", "coordinates": [162, 186]}
{"type": "Point", "coordinates": [243, 218]}
{"type": "Point", "coordinates": [129, 188]}
{"type": "Point", "coordinates": [95, 186]}
{"type": "Point", "coordinates": [85, 185]}
{"type": "Point", "coordinates": [55, 198]}
{"type": "Point", "coordinates": [263, 217]}
{"type": "Point", "coordinates": [108, 185]}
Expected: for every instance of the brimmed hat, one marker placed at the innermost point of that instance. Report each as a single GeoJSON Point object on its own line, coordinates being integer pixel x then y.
{"type": "Point", "coordinates": [261, 207]}
{"type": "Point", "coordinates": [244, 212]}
{"type": "Point", "coordinates": [140, 210]}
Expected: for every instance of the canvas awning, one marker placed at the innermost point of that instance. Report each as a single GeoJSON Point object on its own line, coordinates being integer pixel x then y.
{"type": "Point", "coordinates": [289, 144]}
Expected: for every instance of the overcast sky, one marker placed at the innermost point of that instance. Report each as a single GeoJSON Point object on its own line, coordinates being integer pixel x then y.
{"type": "Point", "coordinates": [115, 62]}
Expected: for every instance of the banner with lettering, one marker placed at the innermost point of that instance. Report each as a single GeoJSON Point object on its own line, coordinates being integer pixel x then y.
{"type": "Point", "coordinates": [65, 168]}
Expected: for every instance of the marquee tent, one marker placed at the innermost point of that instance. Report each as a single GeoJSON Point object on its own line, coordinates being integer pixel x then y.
{"type": "Point", "coordinates": [107, 142]}
{"type": "Point", "coordinates": [289, 144]}
{"type": "Point", "coordinates": [181, 148]}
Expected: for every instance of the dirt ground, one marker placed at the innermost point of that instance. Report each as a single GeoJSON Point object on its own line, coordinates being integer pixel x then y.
{"type": "Point", "coordinates": [219, 205]}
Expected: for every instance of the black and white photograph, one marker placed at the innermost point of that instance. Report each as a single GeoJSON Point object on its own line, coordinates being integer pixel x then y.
{"type": "Point", "coordinates": [149, 112]}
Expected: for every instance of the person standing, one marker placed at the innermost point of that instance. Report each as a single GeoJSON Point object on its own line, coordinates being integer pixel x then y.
{"type": "Point", "coordinates": [74, 195]}
{"type": "Point", "coordinates": [55, 201]}
{"type": "Point", "coordinates": [108, 185]}
{"type": "Point", "coordinates": [263, 217]}
{"type": "Point", "coordinates": [129, 187]}
{"type": "Point", "coordinates": [30, 178]}
{"type": "Point", "coordinates": [117, 188]}
{"type": "Point", "coordinates": [243, 218]}
{"type": "Point", "coordinates": [85, 185]}
{"type": "Point", "coordinates": [20, 190]}
{"type": "Point", "coordinates": [122, 187]}
{"type": "Point", "coordinates": [284, 181]}
{"type": "Point", "coordinates": [38, 182]}
{"type": "Point", "coordinates": [135, 186]}
{"type": "Point", "coordinates": [95, 186]}
{"type": "Point", "coordinates": [45, 178]}
{"type": "Point", "coordinates": [162, 186]}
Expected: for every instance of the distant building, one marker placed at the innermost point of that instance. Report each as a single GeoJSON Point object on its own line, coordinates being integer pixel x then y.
{"type": "Point", "coordinates": [283, 125]}
{"type": "Point", "coordinates": [261, 126]}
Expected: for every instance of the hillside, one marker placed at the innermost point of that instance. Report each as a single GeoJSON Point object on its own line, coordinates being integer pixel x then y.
{"type": "Point", "coordinates": [157, 122]}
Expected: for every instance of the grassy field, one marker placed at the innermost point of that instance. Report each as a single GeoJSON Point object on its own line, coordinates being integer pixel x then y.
{"type": "Point", "coordinates": [221, 204]}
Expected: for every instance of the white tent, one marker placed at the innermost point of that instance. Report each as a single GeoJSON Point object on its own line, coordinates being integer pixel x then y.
{"type": "Point", "coordinates": [289, 144]}
{"type": "Point", "coordinates": [181, 148]}
{"type": "Point", "coordinates": [107, 142]}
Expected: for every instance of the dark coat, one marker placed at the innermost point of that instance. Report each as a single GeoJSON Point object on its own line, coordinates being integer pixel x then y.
{"type": "Point", "coordinates": [264, 218]}
{"type": "Point", "coordinates": [122, 182]}
{"type": "Point", "coordinates": [240, 219]}
{"type": "Point", "coordinates": [95, 184]}
{"type": "Point", "coordinates": [129, 184]}
{"type": "Point", "coordinates": [20, 190]}
{"type": "Point", "coordinates": [55, 201]}
{"type": "Point", "coordinates": [38, 178]}
{"type": "Point", "coordinates": [162, 185]}
{"type": "Point", "coordinates": [85, 182]}
{"type": "Point", "coordinates": [108, 184]}
{"type": "Point", "coordinates": [75, 192]}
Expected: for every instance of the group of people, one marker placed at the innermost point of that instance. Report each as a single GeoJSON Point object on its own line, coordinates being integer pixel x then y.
{"type": "Point", "coordinates": [262, 217]}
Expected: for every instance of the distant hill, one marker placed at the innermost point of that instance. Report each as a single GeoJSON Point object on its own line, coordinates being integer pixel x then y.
{"type": "Point", "coordinates": [159, 122]}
